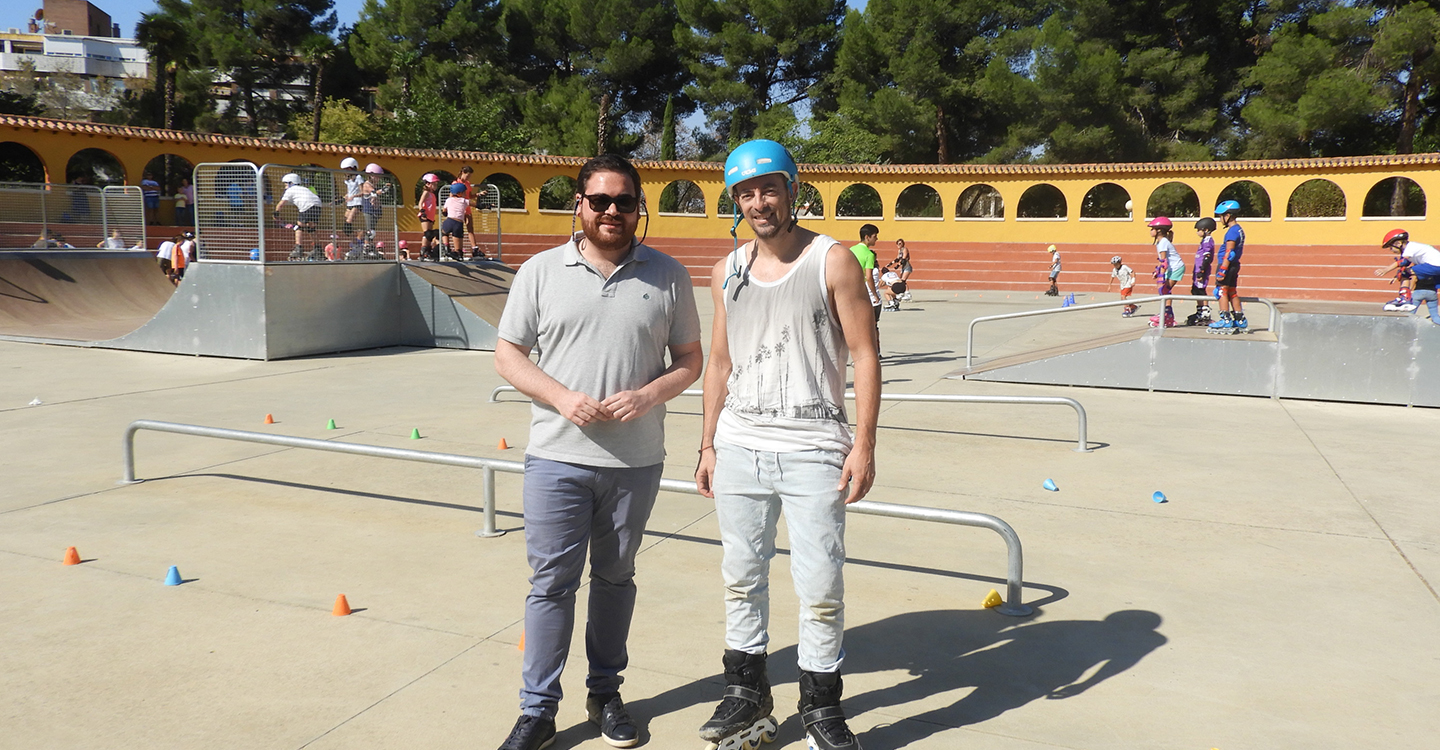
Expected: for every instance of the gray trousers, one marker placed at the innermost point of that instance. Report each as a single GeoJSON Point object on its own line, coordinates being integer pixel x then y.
{"type": "Point", "coordinates": [571, 509]}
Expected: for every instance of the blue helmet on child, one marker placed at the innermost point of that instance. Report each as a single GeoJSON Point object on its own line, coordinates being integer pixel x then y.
{"type": "Point", "coordinates": [1227, 207]}
{"type": "Point", "coordinates": [758, 157]}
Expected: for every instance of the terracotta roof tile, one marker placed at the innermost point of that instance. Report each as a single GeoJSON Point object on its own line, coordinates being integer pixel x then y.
{"type": "Point", "coordinates": [975, 170]}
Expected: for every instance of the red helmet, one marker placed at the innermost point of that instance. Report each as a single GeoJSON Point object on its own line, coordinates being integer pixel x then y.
{"type": "Point", "coordinates": [1160, 222]}
{"type": "Point", "coordinates": [1395, 234]}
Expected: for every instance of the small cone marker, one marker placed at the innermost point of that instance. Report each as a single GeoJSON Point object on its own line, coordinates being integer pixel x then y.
{"type": "Point", "coordinates": [269, 419]}
{"type": "Point", "coordinates": [502, 445]}
{"type": "Point", "coordinates": [331, 425]}
{"type": "Point", "coordinates": [173, 577]}
{"type": "Point", "coordinates": [342, 607]}
{"type": "Point", "coordinates": [1158, 497]}
{"type": "Point", "coordinates": [415, 433]}
{"type": "Point", "coordinates": [992, 599]}
{"type": "Point", "coordinates": [71, 556]}
{"type": "Point", "coordinates": [1049, 484]}
{"type": "Point", "coordinates": [522, 641]}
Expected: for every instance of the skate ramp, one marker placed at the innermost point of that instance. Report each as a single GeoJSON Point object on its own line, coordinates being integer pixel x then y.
{"type": "Point", "coordinates": [120, 300]}
{"type": "Point", "coordinates": [78, 295]}
{"type": "Point", "coordinates": [1323, 351]}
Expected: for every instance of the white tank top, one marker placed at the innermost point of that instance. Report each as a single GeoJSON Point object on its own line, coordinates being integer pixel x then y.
{"type": "Point", "coordinates": [788, 355]}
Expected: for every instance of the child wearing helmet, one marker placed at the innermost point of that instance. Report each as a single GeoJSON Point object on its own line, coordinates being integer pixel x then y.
{"type": "Point", "coordinates": [372, 192]}
{"type": "Point", "coordinates": [1126, 276]}
{"type": "Point", "coordinates": [427, 211]}
{"type": "Point", "coordinates": [354, 183]}
{"type": "Point", "coordinates": [1423, 264]}
{"type": "Point", "coordinates": [1054, 290]}
{"type": "Point", "coordinates": [1200, 274]}
{"type": "Point", "coordinates": [1227, 271]}
{"type": "Point", "coordinates": [456, 208]}
{"type": "Point", "coordinates": [1169, 269]}
{"type": "Point", "coordinates": [306, 203]}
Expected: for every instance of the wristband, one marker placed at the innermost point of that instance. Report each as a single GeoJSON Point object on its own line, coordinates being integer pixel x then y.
{"type": "Point", "coordinates": [704, 448]}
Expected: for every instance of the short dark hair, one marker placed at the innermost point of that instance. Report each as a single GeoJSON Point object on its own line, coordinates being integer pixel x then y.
{"type": "Point", "coordinates": [868, 230]}
{"type": "Point", "coordinates": [467, 169]}
{"type": "Point", "coordinates": [608, 163]}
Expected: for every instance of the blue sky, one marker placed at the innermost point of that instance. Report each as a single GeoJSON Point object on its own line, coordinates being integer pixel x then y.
{"type": "Point", "coordinates": [16, 13]}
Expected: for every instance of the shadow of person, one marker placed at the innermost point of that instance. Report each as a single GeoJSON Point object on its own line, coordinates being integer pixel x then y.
{"type": "Point", "coordinates": [1006, 663]}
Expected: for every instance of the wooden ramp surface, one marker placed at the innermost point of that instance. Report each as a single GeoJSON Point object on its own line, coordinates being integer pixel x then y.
{"type": "Point", "coordinates": [481, 288]}
{"type": "Point", "coordinates": [79, 295]}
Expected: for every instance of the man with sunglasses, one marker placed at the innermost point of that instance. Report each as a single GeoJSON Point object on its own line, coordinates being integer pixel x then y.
{"type": "Point", "coordinates": [790, 309]}
{"type": "Point", "coordinates": [603, 310]}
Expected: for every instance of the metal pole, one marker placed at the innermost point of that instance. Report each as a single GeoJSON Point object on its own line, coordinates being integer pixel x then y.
{"type": "Point", "coordinates": [487, 484]}
{"type": "Point", "coordinates": [1082, 441]}
{"type": "Point", "coordinates": [1014, 577]}
{"type": "Point", "coordinates": [970, 335]}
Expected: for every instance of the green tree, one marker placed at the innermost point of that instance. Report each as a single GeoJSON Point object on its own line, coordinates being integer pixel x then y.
{"type": "Point", "coordinates": [430, 121]}
{"type": "Point", "coordinates": [452, 48]}
{"type": "Point", "coordinates": [16, 103]}
{"type": "Point", "coordinates": [1314, 90]}
{"type": "Point", "coordinates": [341, 122]}
{"type": "Point", "coordinates": [753, 61]}
{"type": "Point", "coordinates": [257, 44]}
{"type": "Point", "coordinates": [1405, 46]}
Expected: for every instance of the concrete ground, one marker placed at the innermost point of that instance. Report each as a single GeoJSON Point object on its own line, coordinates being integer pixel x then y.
{"type": "Point", "coordinates": [1283, 597]}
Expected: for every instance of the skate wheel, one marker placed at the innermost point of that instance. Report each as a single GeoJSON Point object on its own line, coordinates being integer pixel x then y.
{"type": "Point", "coordinates": [711, 746]}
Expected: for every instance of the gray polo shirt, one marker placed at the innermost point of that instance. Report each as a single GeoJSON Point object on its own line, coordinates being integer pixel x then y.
{"type": "Point", "coordinates": [600, 336]}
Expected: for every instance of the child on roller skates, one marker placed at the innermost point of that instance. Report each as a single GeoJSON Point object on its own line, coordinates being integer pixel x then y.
{"type": "Point", "coordinates": [456, 207]}
{"type": "Point", "coordinates": [1126, 276]}
{"type": "Point", "coordinates": [1227, 273]}
{"type": "Point", "coordinates": [1418, 261]}
{"type": "Point", "coordinates": [1200, 275]}
{"type": "Point", "coordinates": [1054, 290]}
{"type": "Point", "coordinates": [1171, 267]}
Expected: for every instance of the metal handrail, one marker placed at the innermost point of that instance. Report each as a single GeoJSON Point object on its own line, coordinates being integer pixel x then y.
{"type": "Point", "coordinates": [1015, 563]}
{"type": "Point", "coordinates": [970, 335]}
{"type": "Point", "coordinates": [1082, 442]}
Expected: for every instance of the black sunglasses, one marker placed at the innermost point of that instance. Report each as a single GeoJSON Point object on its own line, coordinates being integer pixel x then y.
{"type": "Point", "coordinates": [600, 202]}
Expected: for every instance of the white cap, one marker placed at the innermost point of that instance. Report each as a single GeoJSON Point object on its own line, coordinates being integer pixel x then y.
{"type": "Point", "coordinates": [349, 163]}
{"type": "Point", "coordinates": [291, 179]}
{"type": "Point", "coordinates": [1050, 249]}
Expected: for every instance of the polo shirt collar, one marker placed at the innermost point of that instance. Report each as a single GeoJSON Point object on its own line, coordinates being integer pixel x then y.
{"type": "Point", "coordinates": [638, 253]}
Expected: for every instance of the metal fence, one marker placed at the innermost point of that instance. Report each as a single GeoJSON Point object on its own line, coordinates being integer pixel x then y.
{"type": "Point", "coordinates": [1082, 441]}
{"type": "Point", "coordinates": [238, 215]}
{"type": "Point", "coordinates": [486, 239]}
{"type": "Point", "coordinates": [1013, 606]}
{"type": "Point", "coordinates": [56, 216]}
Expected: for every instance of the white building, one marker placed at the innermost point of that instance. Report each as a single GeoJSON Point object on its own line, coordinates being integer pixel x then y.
{"type": "Point", "coordinates": [76, 40]}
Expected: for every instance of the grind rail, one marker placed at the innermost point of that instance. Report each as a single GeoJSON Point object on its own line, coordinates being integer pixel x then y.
{"type": "Point", "coordinates": [1082, 442]}
{"type": "Point", "coordinates": [970, 335]}
{"type": "Point", "coordinates": [1014, 575]}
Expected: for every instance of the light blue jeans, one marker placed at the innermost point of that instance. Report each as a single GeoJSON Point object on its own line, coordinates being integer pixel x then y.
{"type": "Point", "coordinates": [752, 489]}
{"type": "Point", "coordinates": [1428, 297]}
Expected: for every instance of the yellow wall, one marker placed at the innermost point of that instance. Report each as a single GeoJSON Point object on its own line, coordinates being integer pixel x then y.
{"type": "Point", "coordinates": [54, 142]}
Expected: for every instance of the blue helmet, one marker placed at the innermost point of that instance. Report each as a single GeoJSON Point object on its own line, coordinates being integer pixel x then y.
{"type": "Point", "coordinates": [1228, 207]}
{"type": "Point", "coordinates": [758, 157]}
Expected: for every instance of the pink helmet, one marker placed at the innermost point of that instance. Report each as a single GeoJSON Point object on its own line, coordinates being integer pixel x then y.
{"type": "Point", "coordinates": [1160, 222]}
{"type": "Point", "coordinates": [402, 244]}
{"type": "Point", "coordinates": [380, 245]}
{"type": "Point", "coordinates": [373, 168]}
{"type": "Point", "coordinates": [430, 177]}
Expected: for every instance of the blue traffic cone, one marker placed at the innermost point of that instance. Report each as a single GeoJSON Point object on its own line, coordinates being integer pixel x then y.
{"type": "Point", "coordinates": [1158, 497]}
{"type": "Point", "coordinates": [1049, 484]}
{"type": "Point", "coordinates": [1065, 302]}
{"type": "Point", "coordinates": [173, 577]}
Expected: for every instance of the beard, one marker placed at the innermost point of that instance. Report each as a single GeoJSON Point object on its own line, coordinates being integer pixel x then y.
{"type": "Point", "coordinates": [771, 229]}
{"type": "Point", "coordinates": [607, 235]}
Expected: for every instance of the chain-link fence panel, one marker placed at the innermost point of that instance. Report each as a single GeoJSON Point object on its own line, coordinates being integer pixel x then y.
{"type": "Point", "coordinates": [50, 215]}
{"type": "Point", "coordinates": [227, 211]}
{"type": "Point", "coordinates": [123, 209]}
{"type": "Point", "coordinates": [317, 214]}
{"type": "Point", "coordinates": [480, 233]}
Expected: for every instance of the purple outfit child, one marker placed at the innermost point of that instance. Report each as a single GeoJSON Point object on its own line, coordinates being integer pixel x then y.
{"type": "Point", "coordinates": [1203, 257]}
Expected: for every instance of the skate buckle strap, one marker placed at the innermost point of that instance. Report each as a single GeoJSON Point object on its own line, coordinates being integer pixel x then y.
{"type": "Point", "coordinates": [744, 693]}
{"type": "Point", "coordinates": [821, 714]}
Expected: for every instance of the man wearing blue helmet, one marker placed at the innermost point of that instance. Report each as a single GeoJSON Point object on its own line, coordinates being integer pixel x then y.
{"type": "Point", "coordinates": [790, 309]}
{"type": "Point", "coordinates": [1227, 273]}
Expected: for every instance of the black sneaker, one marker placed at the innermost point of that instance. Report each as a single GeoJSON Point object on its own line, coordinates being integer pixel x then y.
{"type": "Point", "coordinates": [608, 712]}
{"type": "Point", "coordinates": [530, 733]}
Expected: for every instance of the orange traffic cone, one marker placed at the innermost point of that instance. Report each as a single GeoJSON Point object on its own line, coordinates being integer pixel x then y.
{"type": "Point", "coordinates": [522, 641]}
{"type": "Point", "coordinates": [342, 607]}
{"type": "Point", "coordinates": [503, 445]}
{"type": "Point", "coordinates": [269, 419]}
{"type": "Point", "coordinates": [71, 556]}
